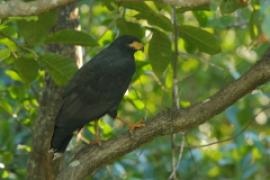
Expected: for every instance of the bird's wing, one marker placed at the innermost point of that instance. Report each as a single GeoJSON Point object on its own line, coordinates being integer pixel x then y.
{"type": "Point", "coordinates": [91, 93]}
{"type": "Point", "coordinates": [75, 112]}
{"type": "Point", "coordinates": [90, 72]}
{"type": "Point", "coordinates": [98, 75]}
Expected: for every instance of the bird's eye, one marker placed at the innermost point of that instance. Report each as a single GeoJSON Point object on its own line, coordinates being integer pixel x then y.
{"type": "Point", "coordinates": [136, 45]}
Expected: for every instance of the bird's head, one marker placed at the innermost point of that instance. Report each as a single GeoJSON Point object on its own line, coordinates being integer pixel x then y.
{"type": "Point", "coordinates": [130, 43]}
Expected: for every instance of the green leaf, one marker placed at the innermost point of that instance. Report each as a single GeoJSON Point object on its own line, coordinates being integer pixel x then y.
{"type": "Point", "coordinates": [2, 27]}
{"type": "Point", "coordinates": [229, 6]}
{"type": "Point", "coordinates": [4, 53]}
{"type": "Point", "coordinates": [34, 32]}
{"type": "Point", "coordinates": [160, 52]}
{"type": "Point", "coordinates": [221, 22]}
{"type": "Point", "coordinates": [140, 7]}
{"type": "Point", "coordinates": [255, 24]}
{"type": "Point", "coordinates": [153, 18]}
{"type": "Point", "coordinates": [13, 75]}
{"type": "Point", "coordinates": [130, 28]}
{"type": "Point", "coordinates": [8, 43]}
{"type": "Point", "coordinates": [72, 37]}
{"type": "Point", "coordinates": [60, 68]}
{"type": "Point", "coordinates": [203, 40]}
{"type": "Point", "coordinates": [27, 69]}
{"type": "Point", "coordinates": [156, 20]}
{"type": "Point", "coordinates": [193, 8]}
{"type": "Point", "coordinates": [201, 17]}
{"type": "Point", "coordinates": [6, 107]}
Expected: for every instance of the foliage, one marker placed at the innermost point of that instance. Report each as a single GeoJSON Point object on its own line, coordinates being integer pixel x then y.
{"type": "Point", "coordinates": [217, 43]}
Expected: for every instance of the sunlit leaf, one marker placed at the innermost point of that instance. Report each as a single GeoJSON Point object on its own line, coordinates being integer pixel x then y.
{"type": "Point", "coordinates": [190, 65]}
{"type": "Point", "coordinates": [214, 172]}
{"type": "Point", "coordinates": [4, 53]}
{"type": "Point", "coordinates": [8, 43]}
{"type": "Point", "coordinates": [2, 26]}
{"type": "Point", "coordinates": [6, 106]}
{"type": "Point", "coordinates": [201, 17]}
{"type": "Point", "coordinates": [185, 104]}
{"type": "Point", "coordinates": [13, 75]}
{"type": "Point", "coordinates": [255, 24]}
{"type": "Point", "coordinates": [106, 128]}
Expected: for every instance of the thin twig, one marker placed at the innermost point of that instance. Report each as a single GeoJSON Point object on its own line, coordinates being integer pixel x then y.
{"type": "Point", "coordinates": [233, 136]}
{"type": "Point", "coordinates": [175, 93]}
{"type": "Point", "coordinates": [181, 151]}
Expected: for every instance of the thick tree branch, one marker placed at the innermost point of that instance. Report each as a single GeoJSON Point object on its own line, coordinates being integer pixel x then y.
{"type": "Point", "coordinates": [91, 158]}
{"type": "Point", "coordinates": [179, 3]}
{"type": "Point", "coordinates": [21, 8]}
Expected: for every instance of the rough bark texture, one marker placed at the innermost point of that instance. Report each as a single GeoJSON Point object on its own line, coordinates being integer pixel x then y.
{"type": "Point", "coordinates": [91, 158]}
{"type": "Point", "coordinates": [40, 164]}
{"type": "Point", "coordinates": [178, 3]}
{"type": "Point", "coordinates": [21, 8]}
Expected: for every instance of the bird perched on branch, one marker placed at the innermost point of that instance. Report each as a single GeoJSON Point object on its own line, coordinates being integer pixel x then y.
{"type": "Point", "coordinates": [96, 89]}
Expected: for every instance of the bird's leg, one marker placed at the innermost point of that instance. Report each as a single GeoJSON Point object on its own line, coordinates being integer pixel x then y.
{"type": "Point", "coordinates": [132, 127]}
{"type": "Point", "coordinates": [81, 137]}
{"type": "Point", "coordinates": [97, 134]}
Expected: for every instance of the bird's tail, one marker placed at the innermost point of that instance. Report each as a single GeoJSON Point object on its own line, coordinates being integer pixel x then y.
{"type": "Point", "coordinates": [60, 140]}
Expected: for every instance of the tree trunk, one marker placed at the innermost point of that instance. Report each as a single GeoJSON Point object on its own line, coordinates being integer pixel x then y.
{"type": "Point", "coordinates": [40, 165]}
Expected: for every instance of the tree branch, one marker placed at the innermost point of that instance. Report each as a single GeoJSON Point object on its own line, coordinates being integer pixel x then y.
{"type": "Point", "coordinates": [179, 3]}
{"type": "Point", "coordinates": [91, 158]}
{"type": "Point", "coordinates": [21, 8]}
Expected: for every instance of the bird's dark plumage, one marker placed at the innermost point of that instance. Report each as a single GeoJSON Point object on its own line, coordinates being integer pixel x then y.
{"type": "Point", "coordinates": [95, 90]}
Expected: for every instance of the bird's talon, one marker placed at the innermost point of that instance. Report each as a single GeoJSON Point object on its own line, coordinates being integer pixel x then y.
{"type": "Point", "coordinates": [96, 142]}
{"type": "Point", "coordinates": [136, 126]}
{"type": "Point", "coordinates": [133, 127]}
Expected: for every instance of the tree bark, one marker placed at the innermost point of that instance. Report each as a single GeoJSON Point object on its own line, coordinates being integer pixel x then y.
{"type": "Point", "coordinates": [22, 8]}
{"type": "Point", "coordinates": [178, 3]}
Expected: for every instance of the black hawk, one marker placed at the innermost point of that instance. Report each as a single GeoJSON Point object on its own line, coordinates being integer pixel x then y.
{"type": "Point", "coordinates": [96, 89]}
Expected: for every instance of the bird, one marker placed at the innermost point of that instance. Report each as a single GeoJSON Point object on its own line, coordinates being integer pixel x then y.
{"type": "Point", "coordinates": [96, 89]}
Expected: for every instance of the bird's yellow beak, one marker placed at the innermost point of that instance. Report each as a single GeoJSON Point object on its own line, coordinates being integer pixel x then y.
{"type": "Point", "coordinates": [136, 45]}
